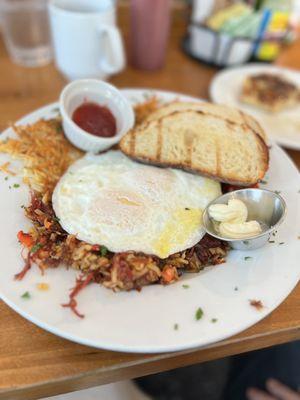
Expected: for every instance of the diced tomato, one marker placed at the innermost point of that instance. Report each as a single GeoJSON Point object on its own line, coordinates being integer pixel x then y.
{"type": "Point", "coordinates": [25, 239]}
{"type": "Point", "coordinates": [168, 274]}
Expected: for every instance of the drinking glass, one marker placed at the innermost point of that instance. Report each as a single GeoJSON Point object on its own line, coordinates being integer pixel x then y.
{"type": "Point", "coordinates": [150, 23]}
{"type": "Point", "coordinates": [26, 31]}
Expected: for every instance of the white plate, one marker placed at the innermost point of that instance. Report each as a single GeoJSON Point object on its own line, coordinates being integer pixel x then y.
{"type": "Point", "coordinates": [144, 321]}
{"type": "Point", "coordinates": [282, 127]}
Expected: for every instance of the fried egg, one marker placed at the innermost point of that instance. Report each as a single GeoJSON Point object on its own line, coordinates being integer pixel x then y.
{"type": "Point", "coordinates": [110, 200]}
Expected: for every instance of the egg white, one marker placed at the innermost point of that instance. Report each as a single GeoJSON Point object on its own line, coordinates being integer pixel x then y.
{"type": "Point", "coordinates": [111, 200]}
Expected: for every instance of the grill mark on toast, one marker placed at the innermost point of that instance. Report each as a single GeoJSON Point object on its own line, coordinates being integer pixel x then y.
{"type": "Point", "coordinates": [245, 118]}
{"type": "Point", "coordinates": [159, 140]}
{"type": "Point", "coordinates": [188, 144]}
{"type": "Point", "coordinates": [132, 142]}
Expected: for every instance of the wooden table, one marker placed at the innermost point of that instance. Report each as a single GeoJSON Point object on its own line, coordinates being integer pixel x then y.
{"type": "Point", "coordinates": [34, 363]}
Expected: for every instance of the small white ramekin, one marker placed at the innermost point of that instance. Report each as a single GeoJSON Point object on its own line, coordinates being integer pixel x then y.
{"type": "Point", "coordinates": [102, 93]}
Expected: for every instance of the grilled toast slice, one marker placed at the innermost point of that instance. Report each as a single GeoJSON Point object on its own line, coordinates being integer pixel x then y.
{"type": "Point", "coordinates": [210, 140]}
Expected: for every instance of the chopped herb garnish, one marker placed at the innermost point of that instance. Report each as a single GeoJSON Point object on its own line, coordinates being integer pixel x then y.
{"type": "Point", "coordinates": [277, 191]}
{"type": "Point", "coordinates": [214, 320]}
{"type": "Point", "coordinates": [103, 251]}
{"type": "Point", "coordinates": [271, 241]}
{"type": "Point", "coordinates": [186, 208]}
{"type": "Point", "coordinates": [176, 326]}
{"type": "Point", "coordinates": [6, 178]}
{"type": "Point", "coordinates": [263, 182]}
{"type": "Point", "coordinates": [246, 242]}
{"type": "Point", "coordinates": [147, 95]}
{"type": "Point", "coordinates": [35, 248]}
{"type": "Point", "coordinates": [9, 187]}
{"type": "Point", "coordinates": [22, 206]}
{"type": "Point", "coordinates": [26, 295]}
{"type": "Point", "coordinates": [236, 288]}
{"type": "Point", "coordinates": [247, 258]}
{"type": "Point", "coordinates": [199, 314]}
{"type": "Point", "coordinates": [274, 233]}
{"type": "Point", "coordinates": [281, 243]}
{"type": "Point", "coordinates": [59, 129]}
{"type": "Point", "coordinates": [16, 185]}
{"type": "Point", "coordinates": [185, 286]}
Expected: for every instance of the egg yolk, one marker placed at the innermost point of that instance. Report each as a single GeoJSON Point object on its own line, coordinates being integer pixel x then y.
{"type": "Point", "coordinates": [176, 231]}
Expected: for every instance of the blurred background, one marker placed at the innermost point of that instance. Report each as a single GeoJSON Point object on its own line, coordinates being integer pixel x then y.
{"type": "Point", "coordinates": [176, 45]}
{"type": "Point", "coordinates": [140, 39]}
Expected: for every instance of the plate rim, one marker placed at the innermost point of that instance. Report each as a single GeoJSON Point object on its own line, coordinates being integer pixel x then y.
{"type": "Point", "coordinates": [191, 346]}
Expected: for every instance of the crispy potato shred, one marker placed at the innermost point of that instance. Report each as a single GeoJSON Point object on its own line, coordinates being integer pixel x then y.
{"type": "Point", "coordinates": [142, 110]}
{"type": "Point", "coordinates": [46, 154]}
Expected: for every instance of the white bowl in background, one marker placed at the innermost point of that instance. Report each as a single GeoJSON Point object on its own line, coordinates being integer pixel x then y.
{"type": "Point", "coordinates": [104, 94]}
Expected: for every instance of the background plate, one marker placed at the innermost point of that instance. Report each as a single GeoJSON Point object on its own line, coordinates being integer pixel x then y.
{"type": "Point", "coordinates": [284, 126]}
{"type": "Point", "coordinates": [144, 321]}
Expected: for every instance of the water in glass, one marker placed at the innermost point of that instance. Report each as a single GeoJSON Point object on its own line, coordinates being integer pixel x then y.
{"type": "Point", "coordinates": [26, 31]}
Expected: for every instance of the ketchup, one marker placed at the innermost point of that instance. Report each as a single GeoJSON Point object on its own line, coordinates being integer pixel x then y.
{"type": "Point", "coordinates": [95, 119]}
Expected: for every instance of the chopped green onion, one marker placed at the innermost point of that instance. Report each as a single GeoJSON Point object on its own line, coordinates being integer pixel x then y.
{"type": "Point", "coordinates": [176, 326]}
{"type": "Point", "coordinates": [247, 258]}
{"type": "Point", "coordinates": [35, 248]}
{"type": "Point", "coordinates": [6, 178]}
{"type": "Point", "coordinates": [26, 295]}
{"type": "Point", "coordinates": [103, 251]}
{"type": "Point", "coordinates": [281, 243]}
{"type": "Point", "coordinates": [185, 286]}
{"type": "Point", "coordinates": [16, 185]}
{"type": "Point", "coordinates": [277, 191]}
{"type": "Point", "coordinates": [199, 314]}
{"type": "Point", "coordinates": [213, 320]}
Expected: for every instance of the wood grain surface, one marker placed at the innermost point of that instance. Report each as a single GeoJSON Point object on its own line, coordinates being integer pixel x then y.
{"type": "Point", "coordinates": [34, 363]}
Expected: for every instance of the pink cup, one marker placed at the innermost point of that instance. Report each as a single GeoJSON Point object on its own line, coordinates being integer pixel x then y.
{"type": "Point", "coordinates": [150, 24]}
